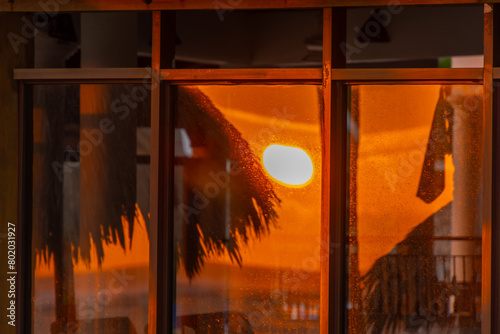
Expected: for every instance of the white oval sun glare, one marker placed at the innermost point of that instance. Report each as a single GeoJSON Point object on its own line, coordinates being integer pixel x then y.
{"type": "Point", "coordinates": [289, 165]}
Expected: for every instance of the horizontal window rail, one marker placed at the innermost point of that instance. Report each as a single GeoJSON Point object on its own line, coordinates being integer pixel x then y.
{"type": "Point", "coordinates": [219, 5]}
{"type": "Point", "coordinates": [239, 75]}
{"type": "Point", "coordinates": [408, 74]}
{"type": "Point", "coordinates": [285, 75]}
{"type": "Point", "coordinates": [82, 74]}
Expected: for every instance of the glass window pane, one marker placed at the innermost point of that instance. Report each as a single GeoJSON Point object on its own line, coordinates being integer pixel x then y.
{"type": "Point", "coordinates": [230, 38]}
{"type": "Point", "coordinates": [415, 201]}
{"type": "Point", "coordinates": [395, 36]}
{"type": "Point", "coordinates": [248, 207]}
{"type": "Point", "coordinates": [90, 208]}
{"type": "Point", "coordinates": [93, 39]}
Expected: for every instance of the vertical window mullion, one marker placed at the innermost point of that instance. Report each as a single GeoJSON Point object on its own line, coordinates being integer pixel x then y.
{"type": "Point", "coordinates": [325, 205]}
{"type": "Point", "coordinates": [335, 186]}
{"type": "Point", "coordinates": [25, 195]}
{"type": "Point", "coordinates": [161, 293]}
{"type": "Point", "coordinates": [155, 283]}
{"type": "Point", "coordinates": [486, 319]}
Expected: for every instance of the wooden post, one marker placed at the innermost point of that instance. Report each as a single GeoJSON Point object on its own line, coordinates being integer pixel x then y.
{"type": "Point", "coordinates": [161, 260]}
{"type": "Point", "coordinates": [334, 134]}
{"type": "Point", "coordinates": [13, 55]}
{"type": "Point", "coordinates": [325, 185]}
{"type": "Point", "coordinates": [486, 296]}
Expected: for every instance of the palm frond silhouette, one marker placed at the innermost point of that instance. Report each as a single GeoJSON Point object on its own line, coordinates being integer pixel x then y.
{"type": "Point", "coordinates": [81, 206]}
{"type": "Point", "coordinates": [252, 199]}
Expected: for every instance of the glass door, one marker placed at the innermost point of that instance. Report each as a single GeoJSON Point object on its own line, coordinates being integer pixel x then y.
{"type": "Point", "coordinates": [414, 229]}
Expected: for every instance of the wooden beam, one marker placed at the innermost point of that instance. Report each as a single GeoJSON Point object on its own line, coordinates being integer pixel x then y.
{"type": "Point", "coordinates": [238, 75]}
{"type": "Point", "coordinates": [408, 74]}
{"type": "Point", "coordinates": [496, 70]}
{"type": "Point", "coordinates": [161, 251]}
{"type": "Point", "coordinates": [495, 182]}
{"type": "Point", "coordinates": [155, 264]}
{"type": "Point", "coordinates": [413, 82]}
{"type": "Point", "coordinates": [218, 6]}
{"type": "Point", "coordinates": [15, 157]}
{"type": "Point", "coordinates": [78, 74]}
{"type": "Point", "coordinates": [309, 75]}
{"type": "Point", "coordinates": [336, 161]}
{"type": "Point", "coordinates": [487, 163]}
{"type": "Point", "coordinates": [324, 315]}
{"type": "Point", "coordinates": [166, 253]}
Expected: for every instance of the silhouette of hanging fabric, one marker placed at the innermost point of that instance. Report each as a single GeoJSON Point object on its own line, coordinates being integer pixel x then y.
{"type": "Point", "coordinates": [432, 179]}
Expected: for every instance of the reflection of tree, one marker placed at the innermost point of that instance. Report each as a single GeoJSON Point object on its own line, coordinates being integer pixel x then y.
{"type": "Point", "coordinates": [84, 201]}
{"type": "Point", "coordinates": [86, 187]}
{"type": "Point", "coordinates": [251, 200]}
{"type": "Point", "coordinates": [56, 108]}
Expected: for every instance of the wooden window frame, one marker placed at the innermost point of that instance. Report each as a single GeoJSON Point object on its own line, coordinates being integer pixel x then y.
{"type": "Point", "coordinates": [334, 78]}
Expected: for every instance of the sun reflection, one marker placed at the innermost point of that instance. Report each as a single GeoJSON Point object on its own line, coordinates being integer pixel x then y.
{"type": "Point", "coordinates": [288, 165]}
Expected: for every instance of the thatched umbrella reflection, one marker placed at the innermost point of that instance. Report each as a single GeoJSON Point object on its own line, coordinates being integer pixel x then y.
{"type": "Point", "coordinates": [228, 161]}
{"type": "Point", "coordinates": [87, 200]}
{"type": "Point", "coordinates": [86, 188]}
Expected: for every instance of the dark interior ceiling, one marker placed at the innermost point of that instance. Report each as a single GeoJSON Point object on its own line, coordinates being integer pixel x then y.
{"type": "Point", "coordinates": [267, 38]}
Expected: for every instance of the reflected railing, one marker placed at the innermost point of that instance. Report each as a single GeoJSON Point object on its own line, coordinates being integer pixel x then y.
{"type": "Point", "coordinates": [441, 290]}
